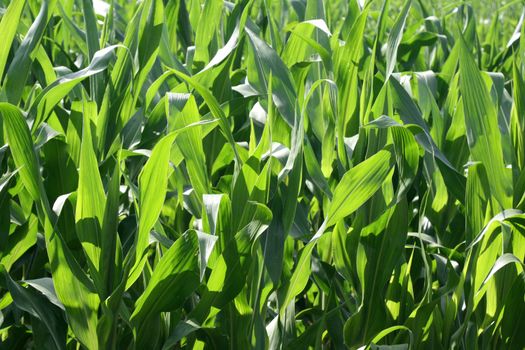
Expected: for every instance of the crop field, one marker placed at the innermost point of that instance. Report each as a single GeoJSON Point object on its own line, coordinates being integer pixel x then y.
{"type": "Point", "coordinates": [262, 174]}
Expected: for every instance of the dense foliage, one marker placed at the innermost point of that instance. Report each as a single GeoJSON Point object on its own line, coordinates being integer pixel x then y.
{"type": "Point", "coordinates": [268, 174]}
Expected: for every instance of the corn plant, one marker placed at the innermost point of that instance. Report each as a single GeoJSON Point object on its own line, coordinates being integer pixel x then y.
{"type": "Point", "coordinates": [262, 174]}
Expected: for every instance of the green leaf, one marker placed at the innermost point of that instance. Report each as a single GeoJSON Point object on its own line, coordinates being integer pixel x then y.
{"type": "Point", "coordinates": [175, 277]}
{"type": "Point", "coordinates": [54, 93]}
{"type": "Point", "coordinates": [153, 182]}
{"type": "Point", "coordinates": [21, 145]}
{"type": "Point", "coordinates": [209, 21]}
{"type": "Point", "coordinates": [216, 110]}
{"type": "Point", "coordinates": [30, 301]}
{"type": "Point", "coordinates": [19, 69]}
{"type": "Point", "coordinates": [89, 212]}
{"type": "Point", "coordinates": [264, 61]}
{"type": "Point", "coordinates": [190, 142]}
{"type": "Point", "coordinates": [230, 271]}
{"type": "Point", "coordinates": [90, 21]}
{"type": "Point", "coordinates": [483, 135]}
{"type": "Point", "coordinates": [19, 243]}
{"type": "Point", "coordinates": [8, 27]}
{"type": "Point", "coordinates": [358, 185]}
{"type": "Point", "coordinates": [394, 39]}
{"type": "Point", "coordinates": [74, 289]}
